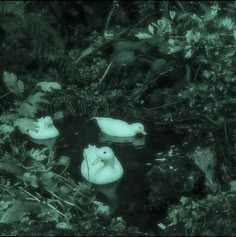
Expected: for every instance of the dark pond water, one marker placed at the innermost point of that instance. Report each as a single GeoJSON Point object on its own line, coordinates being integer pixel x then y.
{"type": "Point", "coordinates": [128, 197]}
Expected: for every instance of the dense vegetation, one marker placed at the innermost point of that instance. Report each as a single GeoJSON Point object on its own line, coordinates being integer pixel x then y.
{"type": "Point", "coordinates": [172, 63]}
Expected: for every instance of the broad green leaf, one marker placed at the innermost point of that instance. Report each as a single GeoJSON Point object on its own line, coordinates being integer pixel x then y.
{"type": "Point", "coordinates": [227, 23]}
{"type": "Point", "coordinates": [171, 42]}
{"type": "Point", "coordinates": [159, 65]}
{"type": "Point", "coordinates": [206, 74]}
{"type": "Point", "coordinates": [189, 36]}
{"type": "Point", "coordinates": [37, 98]}
{"type": "Point", "coordinates": [27, 110]}
{"type": "Point", "coordinates": [86, 52]}
{"type": "Point", "coordinates": [49, 86]}
{"type": "Point", "coordinates": [164, 26]}
{"type": "Point", "coordinates": [34, 182]}
{"type": "Point", "coordinates": [175, 49]}
{"type": "Point", "coordinates": [47, 179]}
{"type": "Point", "coordinates": [196, 37]}
{"type": "Point", "coordinates": [143, 35]}
{"type": "Point", "coordinates": [151, 29]}
{"type": "Point", "coordinates": [8, 118]}
{"type": "Point", "coordinates": [13, 214]}
{"type": "Point", "coordinates": [6, 129]}
{"type": "Point", "coordinates": [124, 57]}
{"type": "Point", "coordinates": [25, 124]}
{"type": "Point", "coordinates": [14, 86]}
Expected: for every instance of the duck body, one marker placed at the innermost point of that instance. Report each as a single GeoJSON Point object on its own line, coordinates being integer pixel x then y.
{"type": "Point", "coordinates": [45, 129]}
{"type": "Point", "coordinates": [119, 128]}
{"type": "Point", "coordinates": [100, 165]}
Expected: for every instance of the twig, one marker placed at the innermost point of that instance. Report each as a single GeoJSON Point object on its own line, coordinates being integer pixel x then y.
{"type": "Point", "coordinates": [47, 204]}
{"type": "Point", "coordinates": [106, 72]}
{"type": "Point", "coordinates": [5, 95]}
{"type": "Point", "coordinates": [114, 5]}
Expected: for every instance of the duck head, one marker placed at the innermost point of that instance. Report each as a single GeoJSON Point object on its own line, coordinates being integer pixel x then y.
{"type": "Point", "coordinates": [106, 155]}
{"type": "Point", "coordinates": [138, 128]}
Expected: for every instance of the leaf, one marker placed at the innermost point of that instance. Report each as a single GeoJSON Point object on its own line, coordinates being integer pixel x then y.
{"type": "Point", "coordinates": [49, 86]}
{"type": "Point", "coordinates": [14, 8]}
{"type": "Point", "coordinates": [86, 52]}
{"type": "Point", "coordinates": [30, 107]}
{"type": "Point", "coordinates": [14, 86]}
{"type": "Point", "coordinates": [124, 57]}
{"type": "Point", "coordinates": [6, 118]}
{"type": "Point", "coordinates": [64, 225]}
{"type": "Point", "coordinates": [151, 29]}
{"type": "Point", "coordinates": [227, 23]}
{"type": "Point", "coordinates": [6, 129]}
{"type": "Point", "coordinates": [172, 14]}
{"type": "Point", "coordinates": [27, 110]}
{"type": "Point", "coordinates": [235, 34]}
{"type": "Point", "coordinates": [34, 181]}
{"type": "Point", "coordinates": [47, 179]}
{"type": "Point", "coordinates": [20, 85]}
{"type": "Point", "coordinates": [175, 49]}
{"type": "Point", "coordinates": [143, 35]}
{"type": "Point", "coordinates": [196, 37]}
{"type": "Point", "coordinates": [189, 36]}
{"type": "Point", "coordinates": [196, 18]}
{"type": "Point", "coordinates": [37, 98]}
{"type": "Point", "coordinates": [189, 54]}
{"type": "Point", "coordinates": [25, 124]}
{"type": "Point", "coordinates": [159, 65]}
{"type": "Point", "coordinates": [38, 154]}
{"type": "Point", "coordinates": [15, 213]}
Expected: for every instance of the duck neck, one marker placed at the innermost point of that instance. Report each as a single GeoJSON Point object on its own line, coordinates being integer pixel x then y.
{"type": "Point", "coordinates": [109, 162]}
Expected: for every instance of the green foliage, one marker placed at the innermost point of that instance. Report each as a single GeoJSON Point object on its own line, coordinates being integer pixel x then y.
{"type": "Point", "coordinates": [25, 108]}
{"type": "Point", "coordinates": [15, 8]}
{"type": "Point", "coordinates": [32, 104]}
{"type": "Point", "coordinates": [45, 40]}
{"type": "Point", "coordinates": [27, 35]}
{"type": "Point", "coordinates": [43, 190]}
{"type": "Point", "coordinates": [205, 41]}
{"type": "Point", "coordinates": [11, 15]}
{"type": "Point", "coordinates": [49, 86]}
{"type": "Point", "coordinates": [211, 215]}
{"type": "Point", "coordinates": [15, 86]}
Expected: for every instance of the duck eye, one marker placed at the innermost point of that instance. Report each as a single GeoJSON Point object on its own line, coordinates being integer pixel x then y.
{"type": "Point", "coordinates": [104, 152]}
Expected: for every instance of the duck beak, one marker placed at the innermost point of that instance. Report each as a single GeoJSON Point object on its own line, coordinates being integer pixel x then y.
{"type": "Point", "coordinates": [144, 133]}
{"type": "Point", "coordinates": [98, 159]}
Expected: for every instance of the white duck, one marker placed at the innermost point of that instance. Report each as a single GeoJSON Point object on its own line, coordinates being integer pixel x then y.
{"type": "Point", "coordinates": [119, 128]}
{"type": "Point", "coordinates": [45, 129]}
{"type": "Point", "coordinates": [100, 165]}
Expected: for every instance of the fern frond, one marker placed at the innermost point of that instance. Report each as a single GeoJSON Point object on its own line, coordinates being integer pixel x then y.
{"type": "Point", "coordinates": [45, 39]}
{"type": "Point", "coordinates": [15, 8]}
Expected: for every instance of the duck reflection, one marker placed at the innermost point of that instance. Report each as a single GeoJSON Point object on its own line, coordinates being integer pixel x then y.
{"type": "Point", "coordinates": [136, 141]}
{"type": "Point", "coordinates": [109, 192]}
{"type": "Point", "coordinates": [50, 142]}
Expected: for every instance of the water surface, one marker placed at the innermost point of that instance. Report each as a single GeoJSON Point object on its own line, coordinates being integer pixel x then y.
{"type": "Point", "coordinates": [128, 196]}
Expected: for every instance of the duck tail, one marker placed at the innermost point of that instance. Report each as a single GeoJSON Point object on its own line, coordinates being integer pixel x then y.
{"type": "Point", "coordinates": [89, 119]}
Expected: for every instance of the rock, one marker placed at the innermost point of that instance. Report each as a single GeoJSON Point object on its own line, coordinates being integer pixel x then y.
{"type": "Point", "coordinates": [205, 159]}
{"type": "Point", "coordinates": [172, 178]}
